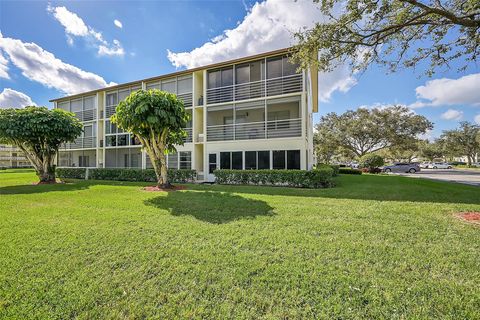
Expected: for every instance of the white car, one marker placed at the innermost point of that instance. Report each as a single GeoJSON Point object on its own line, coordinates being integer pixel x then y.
{"type": "Point", "coordinates": [439, 165]}
{"type": "Point", "coordinates": [425, 165]}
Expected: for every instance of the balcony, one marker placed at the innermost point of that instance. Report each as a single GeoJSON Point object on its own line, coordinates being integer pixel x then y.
{"type": "Point", "coordinates": [188, 138]}
{"type": "Point", "coordinates": [187, 99]}
{"type": "Point", "coordinates": [81, 143]}
{"type": "Point", "coordinates": [14, 158]}
{"type": "Point", "coordinates": [255, 130]}
{"type": "Point", "coordinates": [86, 115]}
{"type": "Point", "coordinates": [9, 148]}
{"type": "Point", "coordinates": [256, 89]}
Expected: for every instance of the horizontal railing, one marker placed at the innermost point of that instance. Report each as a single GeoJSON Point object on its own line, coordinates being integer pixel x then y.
{"type": "Point", "coordinates": [81, 143]}
{"type": "Point", "coordinates": [255, 130]}
{"type": "Point", "coordinates": [187, 99]}
{"type": "Point", "coordinates": [109, 111]}
{"type": "Point", "coordinates": [86, 115]}
{"type": "Point", "coordinates": [188, 138]}
{"type": "Point", "coordinates": [256, 89]}
{"type": "Point", "coordinates": [15, 158]}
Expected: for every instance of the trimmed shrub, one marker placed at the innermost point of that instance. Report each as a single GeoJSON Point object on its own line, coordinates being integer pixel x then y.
{"type": "Point", "coordinates": [318, 178]}
{"type": "Point", "coordinates": [71, 173]}
{"type": "Point", "coordinates": [372, 170]}
{"type": "Point", "coordinates": [335, 167]}
{"type": "Point", "coordinates": [349, 171]}
{"type": "Point", "coordinates": [124, 174]}
{"type": "Point", "coordinates": [371, 162]}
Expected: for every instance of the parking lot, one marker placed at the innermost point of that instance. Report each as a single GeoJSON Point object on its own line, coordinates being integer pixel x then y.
{"type": "Point", "coordinates": [465, 176]}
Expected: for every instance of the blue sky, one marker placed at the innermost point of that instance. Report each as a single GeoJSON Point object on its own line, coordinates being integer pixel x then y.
{"type": "Point", "coordinates": [50, 49]}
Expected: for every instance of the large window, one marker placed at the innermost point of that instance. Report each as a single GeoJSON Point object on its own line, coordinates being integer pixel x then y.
{"type": "Point", "coordinates": [123, 158]}
{"type": "Point", "coordinates": [231, 160]}
{"type": "Point", "coordinates": [257, 160]}
{"type": "Point", "coordinates": [185, 160]}
{"type": "Point", "coordinates": [220, 77]}
{"type": "Point", "coordinates": [286, 159]}
{"type": "Point", "coordinates": [114, 97]}
{"type": "Point", "coordinates": [280, 67]}
{"type": "Point", "coordinates": [84, 108]}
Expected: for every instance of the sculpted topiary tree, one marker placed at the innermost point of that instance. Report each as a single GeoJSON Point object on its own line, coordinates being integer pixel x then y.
{"type": "Point", "coordinates": [39, 133]}
{"type": "Point", "coordinates": [157, 118]}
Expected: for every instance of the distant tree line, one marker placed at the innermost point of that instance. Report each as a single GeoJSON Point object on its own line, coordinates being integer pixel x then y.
{"type": "Point", "coordinates": [391, 132]}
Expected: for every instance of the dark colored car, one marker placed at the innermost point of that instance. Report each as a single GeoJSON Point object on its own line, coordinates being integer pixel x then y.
{"type": "Point", "coordinates": [402, 167]}
{"type": "Point", "coordinates": [457, 163]}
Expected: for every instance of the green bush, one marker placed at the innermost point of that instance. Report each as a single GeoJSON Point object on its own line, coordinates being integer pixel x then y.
{"type": "Point", "coordinates": [123, 174]}
{"type": "Point", "coordinates": [318, 178]}
{"type": "Point", "coordinates": [371, 162]}
{"type": "Point", "coordinates": [70, 173]}
{"type": "Point", "coordinates": [333, 166]}
{"type": "Point", "coordinates": [349, 171]}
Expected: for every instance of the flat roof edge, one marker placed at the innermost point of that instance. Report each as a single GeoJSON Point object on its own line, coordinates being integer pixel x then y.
{"type": "Point", "coordinates": [177, 73]}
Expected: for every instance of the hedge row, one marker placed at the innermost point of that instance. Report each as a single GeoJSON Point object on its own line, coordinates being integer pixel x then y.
{"type": "Point", "coordinates": [318, 178]}
{"type": "Point", "coordinates": [349, 171]}
{"type": "Point", "coordinates": [120, 174]}
{"type": "Point", "coordinates": [336, 168]}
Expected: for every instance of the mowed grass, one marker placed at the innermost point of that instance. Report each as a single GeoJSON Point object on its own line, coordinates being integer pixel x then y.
{"type": "Point", "coordinates": [374, 247]}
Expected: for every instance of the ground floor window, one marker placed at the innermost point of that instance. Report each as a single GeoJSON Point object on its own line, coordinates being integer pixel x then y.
{"type": "Point", "coordinates": [180, 160]}
{"type": "Point", "coordinates": [286, 159]}
{"type": "Point", "coordinates": [83, 158]}
{"type": "Point", "coordinates": [123, 158]}
{"type": "Point", "coordinates": [258, 160]}
{"type": "Point", "coordinates": [231, 160]}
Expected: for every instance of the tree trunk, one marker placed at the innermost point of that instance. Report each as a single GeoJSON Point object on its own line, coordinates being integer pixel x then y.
{"type": "Point", "coordinates": [46, 172]}
{"type": "Point", "coordinates": [469, 160]}
{"type": "Point", "coordinates": [160, 167]}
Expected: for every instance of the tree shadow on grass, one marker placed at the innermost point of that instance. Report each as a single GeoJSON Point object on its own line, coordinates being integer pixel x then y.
{"type": "Point", "coordinates": [42, 188]}
{"type": "Point", "coordinates": [211, 206]}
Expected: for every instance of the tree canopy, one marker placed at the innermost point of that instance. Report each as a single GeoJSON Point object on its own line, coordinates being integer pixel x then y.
{"type": "Point", "coordinates": [464, 141]}
{"type": "Point", "coordinates": [368, 130]}
{"type": "Point", "coordinates": [39, 133]}
{"type": "Point", "coordinates": [392, 33]}
{"type": "Point", "coordinates": [157, 118]}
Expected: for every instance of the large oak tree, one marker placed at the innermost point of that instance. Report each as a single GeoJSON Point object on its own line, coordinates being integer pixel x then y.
{"type": "Point", "coordinates": [157, 119]}
{"type": "Point", "coordinates": [393, 33]}
{"type": "Point", "coordinates": [365, 131]}
{"type": "Point", "coordinates": [39, 133]}
{"type": "Point", "coordinates": [464, 141]}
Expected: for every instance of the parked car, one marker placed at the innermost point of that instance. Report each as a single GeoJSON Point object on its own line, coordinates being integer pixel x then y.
{"type": "Point", "coordinates": [440, 165]}
{"type": "Point", "coordinates": [402, 167]}
{"type": "Point", "coordinates": [424, 165]}
{"type": "Point", "coordinates": [354, 165]}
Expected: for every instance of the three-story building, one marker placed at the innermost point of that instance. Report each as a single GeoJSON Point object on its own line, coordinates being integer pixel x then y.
{"type": "Point", "coordinates": [250, 113]}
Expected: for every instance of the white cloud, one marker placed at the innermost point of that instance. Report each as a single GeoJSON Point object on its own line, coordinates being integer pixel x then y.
{"type": "Point", "coordinates": [10, 98]}
{"type": "Point", "coordinates": [452, 114]}
{"type": "Point", "coordinates": [42, 66]}
{"type": "Point", "coordinates": [477, 118]}
{"type": "Point", "coordinates": [447, 92]}
{"type": "Point", "coordinates": [118, 23]}
{"type": "Point", "coordinates": [76, 27]}
{"type": "Point", "coordinates": [268, 25]}
{"type": "Point", "coordinates": [115, 50]}
{"type": "Point", "coordinates": [3, 67]}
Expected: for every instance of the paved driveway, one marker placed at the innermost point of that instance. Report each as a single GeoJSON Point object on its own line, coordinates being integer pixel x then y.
{"type": "Point", "coordinates": [471, 177]}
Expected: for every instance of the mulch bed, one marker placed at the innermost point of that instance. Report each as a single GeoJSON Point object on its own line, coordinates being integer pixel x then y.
{"type": "Point", "coordinates": [156, 188]}
{"type": "Point", "coordinates": [471, 217]}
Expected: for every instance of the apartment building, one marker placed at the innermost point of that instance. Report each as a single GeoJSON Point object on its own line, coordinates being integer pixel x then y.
{"type": "Point", "coordinates": [249, 113]}
{"type": "Point", "coordinates": [12, 157]}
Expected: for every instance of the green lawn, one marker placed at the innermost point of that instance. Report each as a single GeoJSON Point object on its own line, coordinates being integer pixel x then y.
{"type": "Point", "coordinates": [374, 247]}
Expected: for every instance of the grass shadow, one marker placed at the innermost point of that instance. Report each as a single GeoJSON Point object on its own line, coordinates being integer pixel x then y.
{"type": "Point", "coordinates": [211, 206]}
{"type": "Point", "coordinates": [42, 188]}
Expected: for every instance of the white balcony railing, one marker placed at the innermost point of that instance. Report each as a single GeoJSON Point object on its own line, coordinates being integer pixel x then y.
{"type": "Point", "coordinates": [109, 111]}
{"type": "Point", "coordinates": [256, 89]}
{"type": "Point", "coordinates": [86, 115]}
{"type": "Point", "coordinates": [81, 143]}
{"type": "Point", "coordinates": [14, 158]}
{"type": "Point", "coordinates": [188, 138]}
{"type": "Point", "coordinates": [187, 99]}
{"type": "Point", "coordinates": [255, 130]}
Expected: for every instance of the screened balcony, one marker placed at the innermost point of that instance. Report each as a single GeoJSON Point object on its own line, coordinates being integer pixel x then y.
{"type": "Point", "coordinates": [83, 108]}
{"type": "Point", "coordinates": [262, 78]}
{"type": "Point", "coordinates": [181, 86]}
{"type": "Point", "coordinates": [247, 121]}
{"type": "Point", "coordinates": [81, 158]}
{"type": "Point", "coordinates": [88, 139]}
